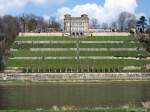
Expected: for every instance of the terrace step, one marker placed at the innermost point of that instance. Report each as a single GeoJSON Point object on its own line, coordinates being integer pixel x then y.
{"type": "Point", "coordinates": [81, 57]}
{"type": "Point", "coordinates": [86, 49]}
{"type": "Point", "coordinates": [63, 42]}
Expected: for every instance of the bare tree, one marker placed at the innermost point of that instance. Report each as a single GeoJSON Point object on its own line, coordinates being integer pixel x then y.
{"type": "Point", "coordinates": [94, 23]}
{"type": "Point", "coordinates": [42, 25]}
{"type": "Point", "coordinates": [126, 21]}
{"type": "Point", "coordinates": [10, 32]}
{"type": "Point", "coordinates": [54, 24]}
{"type": "Point", "coordinates": [105, 26]}
{"type": "Point", "coordinates": [9, 29]}
{"type": "Point", "coordinates": [114, 26]}
{"type": "Point", "coordinates": [131, 23]}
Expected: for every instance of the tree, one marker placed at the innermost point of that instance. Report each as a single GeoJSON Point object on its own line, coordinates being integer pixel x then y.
{"type": "Point", "coordinates": [22, 23]}
{"type": "Point", "coordinates": [9, 29]}
{"type": "Point", "coordinates": [148, 29]}
{"type": "Point", "coordinates": [10, 32]}
{"type": "Point", "coordinates": [105, 26]}
{"type": "Point", "coordinates": [41, 24]}
{"type": "Point", "coordinates": [114, 26]}
{"type": "Point", "coordinates": [53, 23]}
{"type": "Point", "coordinates": [126, 21]}
{"type": "Point", "coordinates": [131, 23]}
{"type": "Point", "coordinates": [143, 22]}
{"type": "Point", "coordinates": [32, 24]}
{"type": "Point", "coordinates": [29, 22]}
{"type": "Point", "coordinates": [94, 23]}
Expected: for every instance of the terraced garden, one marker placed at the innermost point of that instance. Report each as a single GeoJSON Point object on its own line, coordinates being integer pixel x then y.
{"type": "Point", "coordinates": [96, 54]}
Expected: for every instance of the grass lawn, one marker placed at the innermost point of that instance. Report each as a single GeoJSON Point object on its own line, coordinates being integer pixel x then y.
{"type": "Point", "coordinates": [107, 38]}
{"type": "Point", "coordinates": [60, 38]}
{"type": "Point", "coordinates": [23, 51]}
{"type": "Point", "coordinates": [73, 45]}
{"type": "Point", "coordinates": [26, 53]}
{"type": "Point", "coordinates": [124, 45]}
{"type": "Point", "coordinates": [42, 38]}
{"type": "Point", "coordinates": [115, 53]}
{"type": "Point", "coordinates": [28, 46]}
{"type": "Point", "coordinates": [74, 63]}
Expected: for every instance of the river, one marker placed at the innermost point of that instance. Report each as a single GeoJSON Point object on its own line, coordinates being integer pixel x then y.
{"type": "Point", "coordinates": [108, 94]}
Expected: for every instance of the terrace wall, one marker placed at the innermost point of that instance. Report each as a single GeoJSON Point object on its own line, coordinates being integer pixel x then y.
{"type": "Point", "coordinates": [111, 34]}
{"type": "Point", "coordinates": [41, 34]}
{"type": "Point", "coordinates": [74, 76]}
{"type": "Point", "coordinates": [61, 34]}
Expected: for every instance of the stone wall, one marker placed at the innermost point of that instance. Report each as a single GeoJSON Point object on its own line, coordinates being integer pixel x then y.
{"type": "Point", "coordinates": [42, 34]}
{"type": "Point", "coordinates": [61, 34]}
{"type": "Point", "coordinates": [74, 76]}
{"type": "Point", "coordinates": [111, 34]}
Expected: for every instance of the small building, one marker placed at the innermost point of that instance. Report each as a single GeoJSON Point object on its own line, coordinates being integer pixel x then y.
{"type": "Point", "coordinates": [76, 25]}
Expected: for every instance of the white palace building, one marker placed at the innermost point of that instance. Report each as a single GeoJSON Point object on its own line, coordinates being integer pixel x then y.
{"type": "Point", "coordinates": [76, 26]}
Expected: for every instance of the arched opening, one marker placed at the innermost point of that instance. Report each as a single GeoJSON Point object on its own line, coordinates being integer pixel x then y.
{"type": "Point", "coordinates": [73, 33]}
{"type": "Point", "coordinates": [81, 33]}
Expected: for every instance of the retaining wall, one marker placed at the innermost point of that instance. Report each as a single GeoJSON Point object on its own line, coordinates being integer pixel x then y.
{"type": "Point", "coordinates": [61, 34]}
{"type": "Point", "coordinates": [74, 76]}
{"type": "Point", "coordinates": [42, 34]}
{"type": "Point", "coordinates": [110, 34]}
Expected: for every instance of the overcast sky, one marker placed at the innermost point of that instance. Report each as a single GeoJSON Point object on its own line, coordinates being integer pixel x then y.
{"type": "Point", "coordinates": [103, 10]}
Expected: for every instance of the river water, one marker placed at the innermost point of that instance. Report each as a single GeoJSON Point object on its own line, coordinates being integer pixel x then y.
{"type": "Point", "coordinates": [78, 95]}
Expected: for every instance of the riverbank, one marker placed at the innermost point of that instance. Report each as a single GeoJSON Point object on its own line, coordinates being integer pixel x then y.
{"type": "Point", "coordinates": [29, 82]}
{"type": "Point", "coordinates": [84, 110]}
{"type": "Point", "coordinates": [75, 77]}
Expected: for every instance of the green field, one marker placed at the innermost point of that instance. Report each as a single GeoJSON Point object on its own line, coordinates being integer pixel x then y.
{"type": "Point", "coordinates": [84, 62]}
{"type": "Point", "coordinates": [28, 46]}
{"type": "Point", "coordinates": [66, 45]}
{"type": "Point", "coordinates": [116, 53]}
{"type": "Point", "coordinates": [85, 65]}
{"type": "Point", "coordinates": [60, 38]}
{"type": "Point", "coordinates": [97, 64]}
{"type": "Point", "coordinates": [26, 53]}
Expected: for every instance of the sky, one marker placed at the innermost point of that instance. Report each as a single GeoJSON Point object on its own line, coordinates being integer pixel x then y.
{"type": "Point", "coordinates": [102, 10]}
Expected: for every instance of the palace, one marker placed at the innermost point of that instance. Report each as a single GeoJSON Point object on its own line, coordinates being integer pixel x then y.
{"type": "Point", "coordinates": [76, 26]}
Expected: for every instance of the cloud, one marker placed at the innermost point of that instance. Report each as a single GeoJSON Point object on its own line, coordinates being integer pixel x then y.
{"type": "Point", "coordinates": [16, 6]}
{"type": "Point", "coordinates": [107, 13]}
{"type": "Point", "coordinates": [7, 6]}
{"type": "Point", "coordinates": [45, 2]}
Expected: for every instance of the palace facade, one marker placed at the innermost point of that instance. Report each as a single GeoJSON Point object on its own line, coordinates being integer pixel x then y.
{"type": "Point", "coordinates": [76, 26]}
